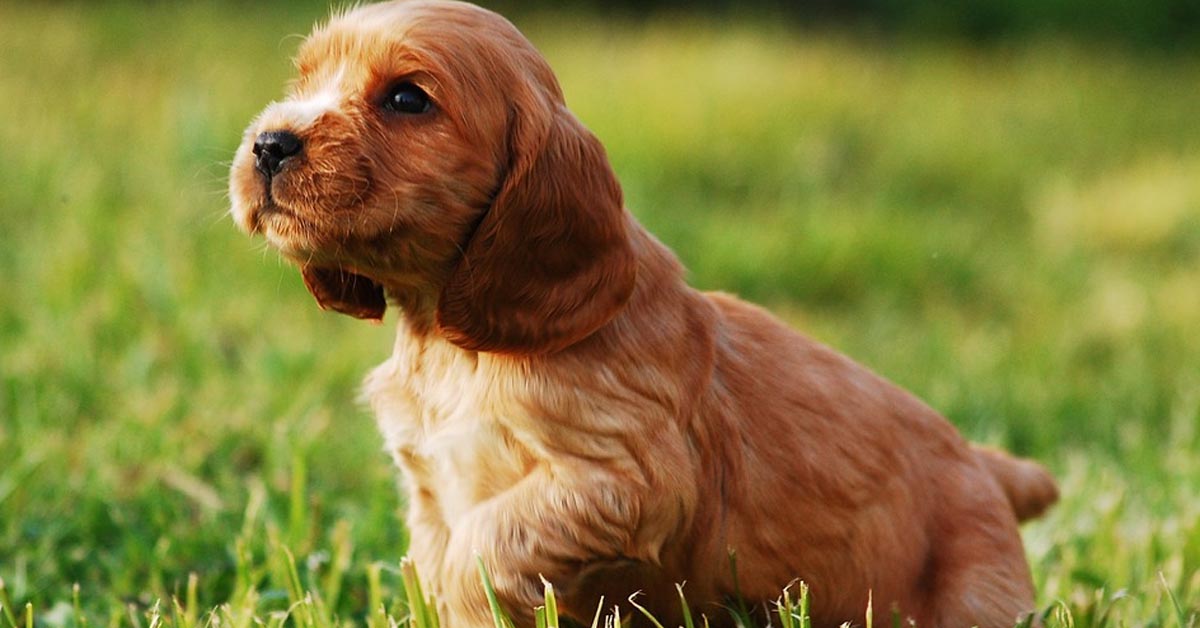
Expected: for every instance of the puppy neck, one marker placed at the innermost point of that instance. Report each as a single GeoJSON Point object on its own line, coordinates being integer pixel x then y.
{"type": "Point", "coordinates": [417, 306]}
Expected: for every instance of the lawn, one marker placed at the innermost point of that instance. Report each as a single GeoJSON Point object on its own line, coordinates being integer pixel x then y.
{"type": "Point", "coordinates": [1011, 231]}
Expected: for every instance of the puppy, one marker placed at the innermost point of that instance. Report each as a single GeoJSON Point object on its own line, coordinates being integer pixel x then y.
{"type": "Point", "coordinates": [561, 403]}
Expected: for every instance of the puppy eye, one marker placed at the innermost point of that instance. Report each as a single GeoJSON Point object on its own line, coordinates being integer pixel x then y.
{"type": "Point", "coordinates": [407, 98]}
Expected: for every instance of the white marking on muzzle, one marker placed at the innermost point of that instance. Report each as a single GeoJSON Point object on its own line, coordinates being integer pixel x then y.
{"type": "Point", "coordinates": [300, 114]}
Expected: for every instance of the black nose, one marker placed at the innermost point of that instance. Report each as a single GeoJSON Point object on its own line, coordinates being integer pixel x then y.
{"type": "Point", "coordinates": [273, 148]}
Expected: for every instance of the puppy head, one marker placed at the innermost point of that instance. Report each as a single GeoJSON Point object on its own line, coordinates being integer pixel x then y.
{"type": "Point", "coordinates": [425, 151]}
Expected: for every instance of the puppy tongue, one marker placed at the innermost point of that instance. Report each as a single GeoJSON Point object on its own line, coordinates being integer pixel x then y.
{"type": "Point", "coordinates": [346, 292]}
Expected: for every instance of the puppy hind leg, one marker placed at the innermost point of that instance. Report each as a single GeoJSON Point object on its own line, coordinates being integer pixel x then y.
{"type": "Point", "coordinates": [980, 580]}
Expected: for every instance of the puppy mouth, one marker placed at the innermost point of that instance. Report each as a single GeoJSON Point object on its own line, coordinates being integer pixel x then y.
{"type": "Point", "coordinates": [263, 212]}
{"type": "Point", "coordinates": [271, 207]}
{"type": "Point", "coordinates": [343, 290]}
{"type": "Point", "coordinates": [269, 211]}
{"type": "Point", "coordinates": [337, 286]}
{"type": "Point", "coordinates": [285, 228]}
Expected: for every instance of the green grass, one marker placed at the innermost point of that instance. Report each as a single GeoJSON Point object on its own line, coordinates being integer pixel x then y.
{"type": "Point", "coordinates": [1012, 232]}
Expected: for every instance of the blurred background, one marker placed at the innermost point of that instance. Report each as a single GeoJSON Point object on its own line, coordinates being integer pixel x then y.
{"type": "Point", "coordinates": [995, 204]}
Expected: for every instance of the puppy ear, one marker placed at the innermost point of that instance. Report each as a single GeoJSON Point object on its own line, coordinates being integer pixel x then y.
{"type": "Point", "coordinates": [343, 291]}
{"type": "Point", "coordinates": [551, 260]}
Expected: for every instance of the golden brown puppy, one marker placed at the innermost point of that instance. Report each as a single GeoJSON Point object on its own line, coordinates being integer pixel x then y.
{"type": "Point", "coordinates": [559, 400]}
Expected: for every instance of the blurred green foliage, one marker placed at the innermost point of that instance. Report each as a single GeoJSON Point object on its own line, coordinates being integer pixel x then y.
{"type": "Point", "coordinates": [1152, 23]}
{"type": "Point", "coordinates": [1155, 24]}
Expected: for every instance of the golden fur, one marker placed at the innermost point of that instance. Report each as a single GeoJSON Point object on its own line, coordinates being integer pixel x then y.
{"type": "Point", "coordinates": [560, 401]}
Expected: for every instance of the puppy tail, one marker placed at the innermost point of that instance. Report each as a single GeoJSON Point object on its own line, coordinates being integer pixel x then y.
{"type": "Point", "coordinates": [1029, 487]}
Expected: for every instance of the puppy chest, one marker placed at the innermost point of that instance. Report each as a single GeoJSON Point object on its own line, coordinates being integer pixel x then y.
{"type": "Point", "coordinates": [449, 437]}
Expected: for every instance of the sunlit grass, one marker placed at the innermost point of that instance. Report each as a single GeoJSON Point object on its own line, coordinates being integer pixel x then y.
{"type": "Point", "coordinates": [1011, 232]}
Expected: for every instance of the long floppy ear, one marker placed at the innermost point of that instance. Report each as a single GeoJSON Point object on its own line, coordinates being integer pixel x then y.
{"type": "Point", "coordinates": [551, 261]}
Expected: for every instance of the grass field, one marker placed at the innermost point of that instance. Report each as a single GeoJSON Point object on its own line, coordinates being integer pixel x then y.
{"type": "Point", "coordinates": [1012, 232]}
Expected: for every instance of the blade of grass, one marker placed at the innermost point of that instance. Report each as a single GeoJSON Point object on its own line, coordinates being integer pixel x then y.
{"type": "Point", "coordinates": [805, 620]}
{"type": "Point", "coordinates": [599, 612]}
{"type": "Point", "coordinates": [783, 608]}
{"type": "Point", "coordinates": [243, 615]}
{"type": "Point", "coordinates": [434, 620]}
{"type": "Point", "coordinates": [6, 605]}
{"type": "Point", "coordinates": [498, 616]}
{"type": "Point", "coordinates": [295, 589]}
{"type": "Point", "coordinates": [643, 611]}
{"type": "Point", "coordinates": [177, 614]}
{"type": "Point", "coordinates": [551, 603]}
{"type": "Point", "coordinates": [301, 607]}
{"type": "Point", "coordinates": [255, 500]}
{"type": "Point", "coordinates": [1106, 613]}
{"type": "Point", "coordinates": [80, 618]}
{"type": "Point", "coordinates": [321, 614]}
{"type": "Point", "coordinates": [297, 510]}
{"type": "Point", "coordinates": [243, 581]}
{"type": "Point", "coordinates": [156, 616]}
{"type": "Point", "coordinates": [343, 549]}
{"type": "Point", "coordinates": [134, 620]}
{"type": "Point", "coordinates": [418, 608]}
{"type": "Point", "coordinates": [1180, 616]}
{"type": "Point", "coordinates": [688, 621]}
{"type": "Point", "coordinates": [794, 613]}
{"type": "Point", "coordinates": [740, 613]}
{"type": "Point", "coordinates": [192, 600]}
{"type": "Point", "coordinates": [1062, 614]}
{"type": "Point", "coordinates": [378, 613]}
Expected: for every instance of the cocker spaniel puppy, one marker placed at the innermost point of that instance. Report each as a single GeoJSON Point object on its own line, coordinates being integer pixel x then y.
{"type": "Point", "coordinates": [561, 403]}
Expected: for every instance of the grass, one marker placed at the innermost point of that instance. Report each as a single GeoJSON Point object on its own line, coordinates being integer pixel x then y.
{"type": "Point", "coordinates": [1012, 232]}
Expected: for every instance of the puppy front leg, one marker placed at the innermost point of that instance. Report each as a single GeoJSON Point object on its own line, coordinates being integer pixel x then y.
{"type": "Point", "coordinates": [555, 523]}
